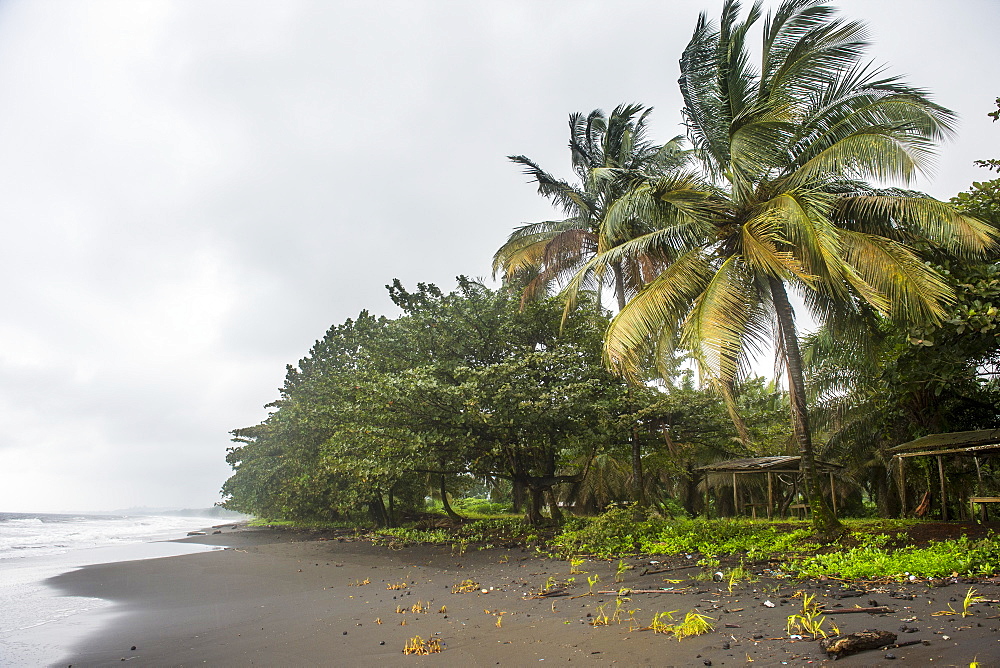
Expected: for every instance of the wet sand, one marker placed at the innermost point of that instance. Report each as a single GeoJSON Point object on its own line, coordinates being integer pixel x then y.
{"type": "Point", "coordinates": [291, 598]}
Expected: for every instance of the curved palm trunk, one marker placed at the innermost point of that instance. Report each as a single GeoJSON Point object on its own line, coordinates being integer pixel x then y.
{"type": "Point", "coordinates": [825, 523]}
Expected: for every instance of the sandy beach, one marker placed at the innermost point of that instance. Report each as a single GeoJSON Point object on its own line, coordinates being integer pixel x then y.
{"type": "Point", "coordinates": [293, 598]}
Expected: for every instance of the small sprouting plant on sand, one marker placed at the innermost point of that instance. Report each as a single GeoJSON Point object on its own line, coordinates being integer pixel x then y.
{"type": "Point", "coordinates": [400, 610]}
{"type": "Point", "coordinates": [459, 547]}
{"type": "Point", "coordinates": [499, 616]}
{"type": "Point", "coordinates": [418, 607]}
{"type": "Point", "coordinates": [592, 580]}
{"type": "Point", "coordinates": [601, 618]}
{"type": "Point", "coordinates": [660, 622]}
{"type": "Point", "coordinates": [421, 647]}
{"type": "Point", "coordinates": [391, 586]}
{"type": "Point", "coordinates": [975, 663]}
{"type": "Point", "coordinates": [809, 621]}
{"type": "Point", "coordinates": [465, 587]}
{"type": "Point", "coordinates": [694, 624]}
{"type": "Point", "coordinates": [620, 571]}
{"type": "Point", "coordinates": [443, 610]}
{"type": "Point", "coordinates": [549, 584]}
{"type": "Point", "coordinates": [504, 559]}
{"type": "Point", "coordinates": [737, 574]}
{"type": "Point", "coordinates": [971, 598]}
{"type": "Point", "coordinates": [360, 583]}
{"type": "Point", "coordinates": [574, 566]}
{"type": "Point", "coordinates": [378, 620]}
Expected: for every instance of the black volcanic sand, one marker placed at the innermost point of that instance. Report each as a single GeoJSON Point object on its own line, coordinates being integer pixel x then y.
{"type": "Point", "coordinates": [292, 598]}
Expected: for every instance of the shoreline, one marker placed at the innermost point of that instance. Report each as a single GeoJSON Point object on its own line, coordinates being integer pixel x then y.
{"type": "Point", "coordinates": [290, 597]}
{"type": "Point", "coordinates": [37, 624]}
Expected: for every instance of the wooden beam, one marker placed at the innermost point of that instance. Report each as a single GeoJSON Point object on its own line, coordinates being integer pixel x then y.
{"type": "Point", "coordinates": [770, 494]}
{"type": "Point", "coordinates": [902, 486]}
{"type": "Point", "coordinates": [736, 498]}
{"type": "Point", "coordinates": [833, 494]}
{"type": "Point", "coordinates": [950, 451]}
{"type": "Point", "coordinates": [944, 497]}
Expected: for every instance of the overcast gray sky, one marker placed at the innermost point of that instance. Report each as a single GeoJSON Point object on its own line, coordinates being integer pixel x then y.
{"type": "Point", "coordinates": [192, 192]}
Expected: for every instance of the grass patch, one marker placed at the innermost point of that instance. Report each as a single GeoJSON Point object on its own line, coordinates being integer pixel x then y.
{"type": "Point", "coordinates": [876, 557]}
{"type": "Point", "coordinates": [616, 533]}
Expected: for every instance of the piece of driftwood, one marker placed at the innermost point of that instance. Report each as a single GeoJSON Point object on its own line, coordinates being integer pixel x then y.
{"type": "Point", "coordinates": [844, 611]}
{"type": "Point", "coordinates": [649, 571]}
{"type": "Point", "coordinates": [857, 642]}
{"type": "Point", "coordinates": [552, 593]}
{"type": "Point", "coordinates": [646, 591]}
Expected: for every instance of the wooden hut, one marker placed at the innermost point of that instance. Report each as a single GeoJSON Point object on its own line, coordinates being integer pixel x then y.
{"type": "Point", "coordinates": [785, 470]}
{"type": "Point", "coordinates": [976, 444]}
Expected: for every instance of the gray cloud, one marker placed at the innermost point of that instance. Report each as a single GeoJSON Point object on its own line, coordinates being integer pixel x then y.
{"type": "Point", "coordinates": [195, 191]}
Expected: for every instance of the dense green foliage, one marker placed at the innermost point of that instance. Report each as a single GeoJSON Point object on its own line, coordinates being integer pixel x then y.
{"type": "Point", "coordinates": [525, 402]}
{"type": "Point", "coordinates": [471, 386]}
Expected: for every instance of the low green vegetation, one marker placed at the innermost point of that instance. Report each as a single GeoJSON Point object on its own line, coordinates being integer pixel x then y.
{"type": "Point", "coordinates": [616, 533]}
{"type": "Point", "coordinates": [877, 558]}
{"type": "Point", "coordinates": [871, 550]}
{"type": "Point", "coordinates": [571, 387]}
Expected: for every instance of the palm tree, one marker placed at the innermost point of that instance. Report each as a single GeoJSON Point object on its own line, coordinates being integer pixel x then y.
{"type": "Point", "coordinates": [782, 202]}
{"type": "Point", "coordinates": [609, 155]}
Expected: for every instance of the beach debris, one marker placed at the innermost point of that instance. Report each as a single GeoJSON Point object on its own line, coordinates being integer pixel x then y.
{"type": "Point", "coordinates": [768, 604]}
{"type": "Point", "coordinates": [853, 643]}
{"type": "Point", "coordinates": [877, 610]}
{"type": "Point", "coordinates": [196, 533]}
{"type": "Point", "coordinates": [391, 586]}
{"type": "Point", "coordinates": [465, 587]}
{"type": "Point", "coordinates": [419, 646]}
{"type": "Point", "coordinates": [358, 583]}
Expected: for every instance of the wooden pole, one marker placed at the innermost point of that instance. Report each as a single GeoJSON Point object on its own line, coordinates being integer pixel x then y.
{"type": "Point", "coordinates": [944, 498]}
{"type": "Point", "coordinates": [902, 486]}
{"type": "Point", "coordinates": [736, 498]}
{"type": "Point", "coordinates": [770, 494]}
{"type": "Point", "coordinates": [708, 515]}
{"type": "Point", "coordinates": [833, 494]}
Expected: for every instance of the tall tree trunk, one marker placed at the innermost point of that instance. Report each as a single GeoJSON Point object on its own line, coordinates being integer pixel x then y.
{"type": "Point", "coordinates": [825, 523]}
{"type": "Point", "coordinates": [554, 511]}
{"type": "Point", "coordinates": [638, 484]}
{"type": "Point", "coordinates": [517, 495]}
{"type": "Point", "coordinates": [444, 502]}
{"type": "Point", "coordinates": [378, 512]}
{"type": "Point", "coordinates": [535, 501]}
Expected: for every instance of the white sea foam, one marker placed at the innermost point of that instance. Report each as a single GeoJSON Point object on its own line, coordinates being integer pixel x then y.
{"type": "Point", "coordinates": [34, 547]}
{"type": "Point", "coordinates": [24, 535]}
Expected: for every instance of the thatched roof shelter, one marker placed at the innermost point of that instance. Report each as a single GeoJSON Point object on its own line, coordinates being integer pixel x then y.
{"type": "Point", "coordinates": [978, 443]}
{"type": "Point", "coordinates": [769, 466]}
{"type": "Point", "coordinates": [779, 464]}
{"type": "Point", "coordinates": [982, 441]}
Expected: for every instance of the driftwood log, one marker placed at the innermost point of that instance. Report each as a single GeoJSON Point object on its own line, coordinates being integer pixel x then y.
{"type": "Point", "coordinates": [857, 642]}
{"type": "Point", "coordinates": [881, 609]}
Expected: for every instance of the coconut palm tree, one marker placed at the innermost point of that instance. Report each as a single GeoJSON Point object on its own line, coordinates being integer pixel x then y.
{"type": "Point", "coordinates": [609, 154]}
{"type": "Point", "coordinates": [783, 202]}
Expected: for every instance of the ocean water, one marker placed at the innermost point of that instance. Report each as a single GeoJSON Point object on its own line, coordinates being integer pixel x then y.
{"type": "Point", "coordinates": [37, 624]}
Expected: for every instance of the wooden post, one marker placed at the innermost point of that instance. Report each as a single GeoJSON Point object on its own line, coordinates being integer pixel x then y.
{"type": "Point", "coordinates": [770, 494]}
{"type": "Point", "coordinates": [708, 515]}
{"type": "Point", "coordinates": [736, 498]}
{"type": "Point", "coordinates": [833, 494]}
{"type": "Point", "coordinates": [944, 498]}
{"type": "Point", "coordinates": [902, 486]}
